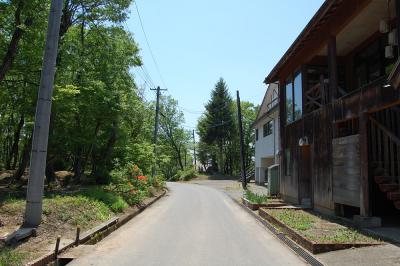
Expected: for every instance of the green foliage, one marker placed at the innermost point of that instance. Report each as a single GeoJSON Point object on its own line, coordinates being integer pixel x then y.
{"type": "Point", "coordinates": [218, 130]}
{"type": "Point", "coordinates": [185, 175]}
{"type": "Point", "coordinates": [76, 210]}
{"type": "Point", "coordinates": [10, 257]}
{"type": "Point", "coordinates": [255, 198]}
{"type": "Point", "coordinates": [129, 183]}
{"type": "Point", "coordinates": [115, 202]}
{"type": "Point", "coordinates": [297, 220]}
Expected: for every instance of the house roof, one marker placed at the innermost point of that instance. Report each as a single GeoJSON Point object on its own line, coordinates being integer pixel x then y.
{"type": "Point", "coordinates": [268, 106]}
{"type": "Point", "coordinates": [318, 20]}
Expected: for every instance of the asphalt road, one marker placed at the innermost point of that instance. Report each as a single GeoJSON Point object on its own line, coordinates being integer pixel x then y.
{"type": "Point", "coordinates": [192, 225]}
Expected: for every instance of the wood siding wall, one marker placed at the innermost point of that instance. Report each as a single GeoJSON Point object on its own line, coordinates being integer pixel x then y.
{"type": "Point", "coordinates": [346, 170]}
{"type": "Point", "coordinates": [318, 126]}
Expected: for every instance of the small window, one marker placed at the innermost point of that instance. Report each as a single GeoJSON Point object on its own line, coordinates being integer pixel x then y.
{"type": "Point", "coordinates": [267, 129]}
{"type": "Point", "coordinates": [257, 134]}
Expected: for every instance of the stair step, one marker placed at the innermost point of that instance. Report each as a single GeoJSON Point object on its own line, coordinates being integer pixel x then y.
{"type": "Point", "coordinates": [389, 187]}
{"type": "Point", "coordinates": [393, 195]}
{"type": "Point", "coordinates": [384, 179]}
{"type": "Point", "coordinates": [397, 204]}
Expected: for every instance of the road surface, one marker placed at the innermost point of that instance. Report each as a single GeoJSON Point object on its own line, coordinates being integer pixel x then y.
{"type": "Point", "coordinates": [192, 225]}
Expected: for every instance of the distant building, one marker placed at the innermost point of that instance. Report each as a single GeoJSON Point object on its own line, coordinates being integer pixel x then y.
{"type": "Point", "coordinates": [266, 129]}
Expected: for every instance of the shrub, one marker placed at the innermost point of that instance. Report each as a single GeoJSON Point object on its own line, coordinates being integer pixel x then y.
{"type": "Point", "coordinates": [184, 175]}
{"type": "Point", "coordinates": [115, 202]}
{"type": "Point", "coordinates": [255, 198]}
{"type": "Point", "coordinates": [129, 183]}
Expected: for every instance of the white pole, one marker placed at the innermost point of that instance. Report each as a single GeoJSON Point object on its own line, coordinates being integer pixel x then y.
{"type": "Point", "coordinates": [34, 198]}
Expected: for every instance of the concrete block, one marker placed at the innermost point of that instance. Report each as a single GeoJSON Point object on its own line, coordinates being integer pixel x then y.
{"type": "Point", "coordinates": [367, 222]}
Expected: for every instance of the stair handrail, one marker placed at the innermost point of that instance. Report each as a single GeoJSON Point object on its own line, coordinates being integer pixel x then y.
{"type": "Point", "coordinates": [385, 130]}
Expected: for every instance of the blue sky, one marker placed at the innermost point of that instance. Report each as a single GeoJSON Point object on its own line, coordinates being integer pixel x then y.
{"type": "Point", "coordinates": [197, 42]}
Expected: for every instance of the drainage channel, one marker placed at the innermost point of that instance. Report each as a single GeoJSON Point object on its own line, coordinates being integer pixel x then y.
{"type": "Point", "coordinates": [292, 245]}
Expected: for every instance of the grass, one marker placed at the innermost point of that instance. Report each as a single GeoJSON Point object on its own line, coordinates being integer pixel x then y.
{"type": "Point", "coordinates": [9, 257]}
{"type": "Point", "coordinates": [76, 210]}
{"type": "Point", "coordinates": [255, 198]}
{"type": "Point", "coordinates": [318, 229]}
{"type": "Point", "coordinates": [116, 203]}
{"type": "Point", "coordinates": [297, 220]}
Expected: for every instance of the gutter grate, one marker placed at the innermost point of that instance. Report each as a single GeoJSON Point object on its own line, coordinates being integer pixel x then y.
{"type": "Point", "coordinates": [292, 245]}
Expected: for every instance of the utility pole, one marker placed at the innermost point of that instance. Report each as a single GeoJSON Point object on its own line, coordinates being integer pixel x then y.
{"type": "Point", "coordinates": [242, 157]}
{"type": "Point", "coordinates": [37, 169]}
{"type": "Point", "coordinates": [157, 120]}
{"type": "Point", "coordinates": [194, 151]}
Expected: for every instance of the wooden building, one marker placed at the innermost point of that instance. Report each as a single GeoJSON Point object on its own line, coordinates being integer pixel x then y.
{"type": "Point", "coordinates": [340, 111]}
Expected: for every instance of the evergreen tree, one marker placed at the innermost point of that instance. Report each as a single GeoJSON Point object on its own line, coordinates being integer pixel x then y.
{"type": "Point", "coordinates": [218, 126]}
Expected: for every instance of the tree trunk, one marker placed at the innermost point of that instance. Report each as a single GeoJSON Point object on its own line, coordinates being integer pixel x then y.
{"type": "Point", "coordinates": [14, 150]}
{"type": "Point", "coordinates": [77, 169]}
{"type": "Point", "coordinates": [13, 45]}
{"type": "Point", "coordinates": [24, 160]}
{"type": "Point", "coordinates": [103, 162]}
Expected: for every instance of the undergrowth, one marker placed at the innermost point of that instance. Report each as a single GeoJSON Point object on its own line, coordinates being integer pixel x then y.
{"type": "Point", "coordinates": [255, 198]}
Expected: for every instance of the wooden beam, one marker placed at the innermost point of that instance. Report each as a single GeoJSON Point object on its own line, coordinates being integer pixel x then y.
{"type": "Point", "coordinates": [398, 22]}
{"type": "Point", "coordinates": [343, 15]}
{"type": "Point", "coordinates": [332, 68]}
{"type": "Point", "coordinates": [365, 209]}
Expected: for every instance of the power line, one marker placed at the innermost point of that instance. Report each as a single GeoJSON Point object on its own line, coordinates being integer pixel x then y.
{"type": "Point", "coordinates": [148, 45]}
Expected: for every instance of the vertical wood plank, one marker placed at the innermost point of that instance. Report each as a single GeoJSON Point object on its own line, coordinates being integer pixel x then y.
{"type": "Point", "coordinates": [364, 181]}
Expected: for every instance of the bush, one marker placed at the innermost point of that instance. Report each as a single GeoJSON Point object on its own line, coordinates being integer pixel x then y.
{"type": "Point", "coordinates": [255, 198]}
{"type": "Point", "coordinates": [115, 202]}
{"type": "Point", "coordinates": [129, 183]}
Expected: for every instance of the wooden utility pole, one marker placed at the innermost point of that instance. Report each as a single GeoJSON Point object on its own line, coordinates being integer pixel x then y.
{"type": "Point", "coordinates": [157, 120]}
{"type": "Point", "coordinates": [242, 157]}
{"type": "Point", "coordinates": [194, 151]}
{"type": "Point", "coordinates": [37, 169]}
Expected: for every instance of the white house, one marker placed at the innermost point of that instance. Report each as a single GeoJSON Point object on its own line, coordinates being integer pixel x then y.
{"type": "Point", "coordinates": [267, 134]}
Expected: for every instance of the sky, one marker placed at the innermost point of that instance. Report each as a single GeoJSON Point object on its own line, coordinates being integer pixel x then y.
{"type": "Point", "coordinates": [194, 43]}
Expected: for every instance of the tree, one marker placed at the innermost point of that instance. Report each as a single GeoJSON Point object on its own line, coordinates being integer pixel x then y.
{"type": "Point", "coordinates": [172, 131]}
{"type": "Point", "coordinates": [217, 126]}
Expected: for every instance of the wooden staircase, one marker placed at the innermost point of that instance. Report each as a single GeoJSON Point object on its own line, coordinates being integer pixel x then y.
{"type": "Point", "coordinates": [384, 152]}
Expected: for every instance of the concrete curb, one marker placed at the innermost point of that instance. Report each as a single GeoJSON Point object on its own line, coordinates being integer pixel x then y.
{"type": "Point", "coordinates": [97, 233]}
{"type": "Point", "coordinates": [291, 244]}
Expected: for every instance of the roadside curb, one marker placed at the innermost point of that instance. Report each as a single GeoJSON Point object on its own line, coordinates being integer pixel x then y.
{"type": "Point", "coordinates": [97, 233]}
{"type": "Point", "coordinates": [282, 237]}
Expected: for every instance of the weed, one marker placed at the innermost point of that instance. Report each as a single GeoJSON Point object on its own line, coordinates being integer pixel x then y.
{"type": "Point", "coordinates": [115, 202]}
{"type": "Point", "coordinates": [297, 220]}
{"type": "Point", "coordinates": [255, 198]}
{"type": "Point", "coordinates": [10, 257]}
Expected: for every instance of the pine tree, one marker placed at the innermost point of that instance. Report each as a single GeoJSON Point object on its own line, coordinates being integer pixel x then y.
{"type": "Point", "coordinates": [218, 126]}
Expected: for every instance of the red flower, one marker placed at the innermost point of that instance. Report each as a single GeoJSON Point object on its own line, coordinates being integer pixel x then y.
{"type": "Point", "coordinates": [142, 177]}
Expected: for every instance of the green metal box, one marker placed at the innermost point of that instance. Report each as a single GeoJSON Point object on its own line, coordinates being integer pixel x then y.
{"type": "Point", "coordinates": [273, 180]}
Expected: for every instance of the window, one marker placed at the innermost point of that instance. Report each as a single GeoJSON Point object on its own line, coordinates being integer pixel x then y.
{"type": "Point", "coordinates": [298, 96]}
{"type": "Point", "coordinates": [294, 99]}
{"type": "Point", "coordinates": [267, 129]}
{"type": "Point", "coordinates": [257, 134]}
{"type": "Point", "coordinates": [289, 102]}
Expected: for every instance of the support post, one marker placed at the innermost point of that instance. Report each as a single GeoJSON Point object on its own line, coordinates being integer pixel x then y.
{"type": "Point", "coordinates": [156, 122]}
{"type": "Point", "coordinates": [398, 25]}
{"type": "Point", "coordinates": [34, 197]}
{"type": "Point", "coordinates": [332, 68]}
{"type": "Point", "coordinates": [364, 173]}
{"type": "Point", "coordinates": [194, 151]}
{"type": "Point", "coordinates": [242, 156]}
